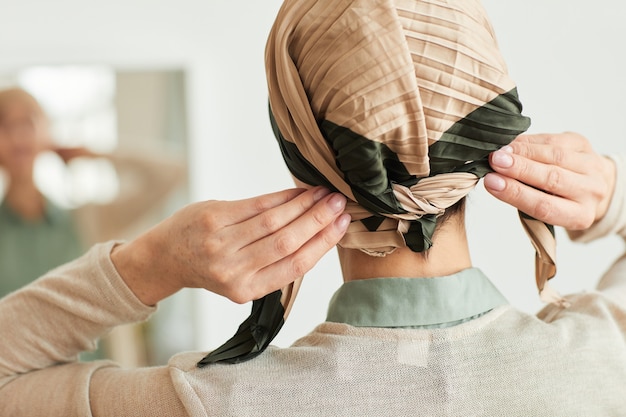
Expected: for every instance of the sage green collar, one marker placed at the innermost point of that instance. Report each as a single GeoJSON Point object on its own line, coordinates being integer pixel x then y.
{"type": "Point", "coordinates": [52, 214]}
{"type": "Point", "coordinates": [415, 302]}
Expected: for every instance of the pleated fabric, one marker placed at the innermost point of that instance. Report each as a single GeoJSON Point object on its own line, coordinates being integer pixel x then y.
{"type": "Point", "coordinates": [397, 104]}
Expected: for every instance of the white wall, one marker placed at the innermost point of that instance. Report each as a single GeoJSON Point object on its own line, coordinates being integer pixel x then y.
{"type": "Point", "coordinates": [568, 61]}
{"type": "Point", "coordinates": [566, 57]}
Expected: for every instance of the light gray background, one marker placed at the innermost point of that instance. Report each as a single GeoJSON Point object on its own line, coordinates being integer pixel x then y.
{"type": "Point", "coordinates": [567, 58]}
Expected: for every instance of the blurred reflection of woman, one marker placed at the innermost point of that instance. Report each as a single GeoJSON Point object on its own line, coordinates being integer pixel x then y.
{"type": "Point", "coordinates": [36, 235]}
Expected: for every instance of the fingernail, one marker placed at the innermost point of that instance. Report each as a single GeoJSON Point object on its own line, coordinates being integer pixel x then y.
{"type": "Point", "coordinates": [320, 193]}
{"type": "Point", "coordinates": [343, 222]}
{"type": "Point", "coordinates": [494, 182]}
{"type": "Point", "coordinates": [337, 202]}
{"type": "Point", "coordinates": [502, 158]}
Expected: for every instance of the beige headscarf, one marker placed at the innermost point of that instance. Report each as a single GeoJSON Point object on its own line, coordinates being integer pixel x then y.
{"type": "Point", "coordinates": [396, 104]}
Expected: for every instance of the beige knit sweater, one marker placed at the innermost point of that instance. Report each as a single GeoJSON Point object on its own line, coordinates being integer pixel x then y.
{"type": "Point", "coordinates": [568, 362]}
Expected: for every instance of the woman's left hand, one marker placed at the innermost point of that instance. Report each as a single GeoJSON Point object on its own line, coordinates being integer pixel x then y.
{"type": "Point", "coordinates": [555, 178]}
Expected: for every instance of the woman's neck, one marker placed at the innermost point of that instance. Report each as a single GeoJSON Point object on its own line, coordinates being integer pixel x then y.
{"type": "Point", "coordinates": [25, 199]}
{"type": "Point", "coordinates": [448, 255]}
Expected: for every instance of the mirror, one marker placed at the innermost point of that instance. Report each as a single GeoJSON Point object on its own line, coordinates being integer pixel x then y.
{"type": "Point", "coordinates": [131, 129]}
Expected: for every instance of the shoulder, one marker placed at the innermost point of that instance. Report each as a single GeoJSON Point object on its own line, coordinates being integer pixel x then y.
{"type": "Point", "coordinates": [590, 313]}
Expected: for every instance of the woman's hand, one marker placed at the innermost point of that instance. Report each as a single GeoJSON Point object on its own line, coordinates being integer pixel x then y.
{"type": "Point", "coordinates": [555, 178]}
{"type": "Point", "coordinates": [68, 154]}
{"type": "Point", "coordinates": [242, 250]}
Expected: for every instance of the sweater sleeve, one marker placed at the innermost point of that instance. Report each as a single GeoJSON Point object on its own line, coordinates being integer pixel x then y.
{"type": "Point", "coordinates": [47, 323]}
{"type": "Point", "coordinates": [613, 283]}
{"type": "Point", "coordinates": [614, 222]}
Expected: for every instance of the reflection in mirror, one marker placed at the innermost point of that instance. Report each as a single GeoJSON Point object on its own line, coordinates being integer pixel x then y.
{"type": "Point", "coordinates": [108, 161]}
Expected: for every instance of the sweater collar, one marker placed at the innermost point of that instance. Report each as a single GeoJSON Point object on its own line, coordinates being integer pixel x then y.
{"type": "Point", "coordinates": [415, 302]}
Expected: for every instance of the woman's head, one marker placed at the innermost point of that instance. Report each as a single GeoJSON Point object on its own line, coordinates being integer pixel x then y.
{"type": "Point", "coordinates": [23, 131]}
{"type": "Point", "coordinates": [397, 104]}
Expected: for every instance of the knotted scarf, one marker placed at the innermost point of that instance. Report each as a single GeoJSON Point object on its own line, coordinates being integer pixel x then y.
{"type": "Point", "coordinates": [397, 104]}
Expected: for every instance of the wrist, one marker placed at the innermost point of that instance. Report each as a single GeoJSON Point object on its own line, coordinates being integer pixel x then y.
{"type": "Point", "coordinates": [609, 173]}
{"type": "Point", "coordinates": [137, 262]}
{"type": "Point", "coordinates": [613, 220]}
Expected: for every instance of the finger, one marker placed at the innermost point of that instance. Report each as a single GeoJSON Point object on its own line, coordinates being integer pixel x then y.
{"type": "Point", "coordinates": [286, 270]}
{"type": "Point", "coordinates": [563, 157]}
{"type": "Point", "coordinates": [242, 210]}
{"type": "Point", "coordinates": [551, 209]}
{"type": "Point", "coordinates": [292, 236]}
{"type": "Point", "coordinates": [568, 140]}
{"type": "Point", "coordinates": [547, 177]}
{"type": "Point", "coordinates": [268, 221]}
{"type": "Point", "coordinates": [232, 226]}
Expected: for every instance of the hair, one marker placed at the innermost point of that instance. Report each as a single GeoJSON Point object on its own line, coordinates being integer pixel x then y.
{"type": "Point", "coordinates": [452, 211]}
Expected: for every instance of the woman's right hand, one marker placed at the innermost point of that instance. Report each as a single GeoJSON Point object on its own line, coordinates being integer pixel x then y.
{"type": "Point", "coordinates": [242, 250]}
{"type": "Point", "coordinates": [555, 178]}
{"type": "Point", "coordinates": [69, 153]}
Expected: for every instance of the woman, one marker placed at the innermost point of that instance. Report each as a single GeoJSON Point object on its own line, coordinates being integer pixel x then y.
{"type": "Point", "coordinates": [231, 248]}
{"type": "Point", "coordinates": [437, 340]}
{"type": "Point", "coordinates": [35, 234]}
